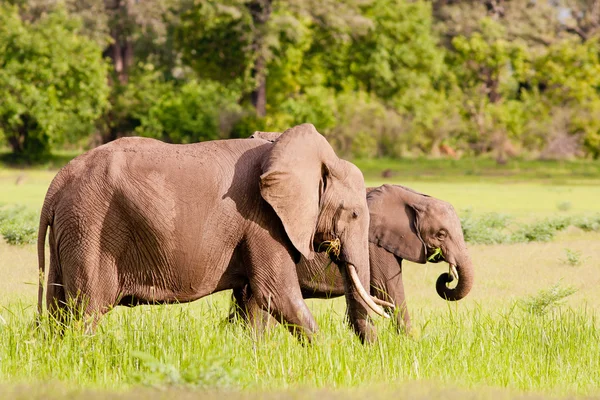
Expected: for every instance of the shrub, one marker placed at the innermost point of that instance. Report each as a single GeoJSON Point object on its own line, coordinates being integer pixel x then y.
{"type": "Point", "coordinates": [572, 258]}
{"type": "Point", "coordinates": [18, 226]}
{"type": "Point", "coordinates": [485, 229]}
{"type": "Point", "coordinates": [53, 82]}
{"type": "Point", "coordinates": [546, 299]}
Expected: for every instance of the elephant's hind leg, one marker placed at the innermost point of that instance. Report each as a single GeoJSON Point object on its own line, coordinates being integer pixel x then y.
{"type": "Point", "coordinates": [90, 288]}
{"type": "Point", "coordinates": [56, 301]}
{"type": "Point", "coordinates": [246, 309]}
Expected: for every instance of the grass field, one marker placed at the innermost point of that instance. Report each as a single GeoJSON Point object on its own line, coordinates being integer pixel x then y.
{"type": "Point", "coordinates": [496, 343]}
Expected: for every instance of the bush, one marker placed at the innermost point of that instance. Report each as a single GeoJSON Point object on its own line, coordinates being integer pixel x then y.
{"type": "Point", "coordinates": [53, 82]}
{"type": "Point", "coordinates": [572, 258]}
{"type": "Point", "coordinates": [494, 228]}
{"type": "Point", "coordinates": [18, 226]}
{"type": "Point", "coordinates": [546, 300]}
{"type": "Point", "coordinates": [485, 229]}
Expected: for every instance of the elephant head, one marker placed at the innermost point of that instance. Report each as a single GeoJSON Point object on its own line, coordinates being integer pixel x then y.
{"type": "Point", "coordinates": [419, 228]}
{"type": "Point", "coordinates": [319, 199]}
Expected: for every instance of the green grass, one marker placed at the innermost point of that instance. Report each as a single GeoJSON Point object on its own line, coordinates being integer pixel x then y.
{"type": "Point", "coordinates": [192, 347]}
{"type": "Point", "coordinates": [489, 345]}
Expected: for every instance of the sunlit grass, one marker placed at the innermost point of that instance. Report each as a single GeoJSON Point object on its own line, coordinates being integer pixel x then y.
{"type": "Point", "coordinates": [192, 346]}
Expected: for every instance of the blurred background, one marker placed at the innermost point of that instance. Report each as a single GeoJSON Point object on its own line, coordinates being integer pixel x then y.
{"type": "Point", "coordinates": [379, 78]}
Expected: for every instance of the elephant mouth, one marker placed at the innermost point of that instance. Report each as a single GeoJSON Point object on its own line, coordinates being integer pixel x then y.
{"type": "Point", "coordinates": [331, 247]}
{"type": "Point", "coordinates": [435, 255]}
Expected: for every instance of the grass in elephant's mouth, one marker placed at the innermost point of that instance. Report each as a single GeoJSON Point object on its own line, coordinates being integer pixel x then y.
{"type": "Point", "coordinates": [331, 247]}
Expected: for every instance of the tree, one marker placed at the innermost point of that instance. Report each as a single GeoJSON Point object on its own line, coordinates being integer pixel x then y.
{"type": "Point", "coordinates": [237, 41]}
{"type": "Point", "coordinates": [48, 94]}
{"type": "Point", "coordinates": [583, 18]}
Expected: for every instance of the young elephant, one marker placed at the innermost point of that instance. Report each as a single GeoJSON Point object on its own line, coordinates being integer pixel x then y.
{"type": "Point", "coordinates": [140, 221]}
{"type": "Point", "coordinates": [404, 225]}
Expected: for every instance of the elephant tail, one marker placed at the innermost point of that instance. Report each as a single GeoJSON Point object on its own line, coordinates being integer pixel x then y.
{"type": "Point", "coordinates": [45, 221]}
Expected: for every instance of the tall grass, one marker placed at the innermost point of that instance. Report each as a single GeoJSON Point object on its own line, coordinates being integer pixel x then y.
{"type": "Point", "coordinates": [193, 346]}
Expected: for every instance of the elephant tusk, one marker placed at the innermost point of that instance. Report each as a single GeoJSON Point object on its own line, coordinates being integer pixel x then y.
{"type": "Point", "coordinates": [363, 293]}
{"type": "Point", "coordinates": [453, 271]}
{"type": "Point", "coordinates": [383, 303]}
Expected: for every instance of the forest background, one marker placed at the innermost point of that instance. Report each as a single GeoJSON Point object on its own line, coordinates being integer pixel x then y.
{"type": "Point", "coordinates": [379, 78]}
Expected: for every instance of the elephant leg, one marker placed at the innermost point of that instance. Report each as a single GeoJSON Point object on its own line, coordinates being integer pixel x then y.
{"type": "Point", "coordinates": [393, 291]}
{"type": "Point", "coordinates": [275, 288]}
{"type": "Point", "coordinates": [245, 308]}
{"type": "Point", "coordinates": [402, 317]}
{"type": "Point", "coordinates": [358, 317]}
{"type": "Point", "coordinates": [237, 310]}
{"type": "Point", "coordinates": [56, 301]}
{"type": "Point", "coordinates": [90, 291]}
{"type": "Point", "coordinates": [387, 284]}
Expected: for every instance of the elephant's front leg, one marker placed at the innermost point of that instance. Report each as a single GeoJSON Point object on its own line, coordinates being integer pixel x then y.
{"type": "Point", "coordinates": [387, 284]}
{"type": "Point", "coordinates": [275, 288]}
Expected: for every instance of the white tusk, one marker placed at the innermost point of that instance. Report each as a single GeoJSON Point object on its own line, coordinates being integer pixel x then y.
{"type": "Point", "coordinates": [382, 303]}
{"type": "Point", "coordinates": [363, 293]}
{"type": "Point", "coordinates": [453, 271]}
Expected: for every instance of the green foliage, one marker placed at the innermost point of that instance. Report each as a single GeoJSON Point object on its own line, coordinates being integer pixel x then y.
{"type": "Point", "coordinates": [485, 229]}
{"type": "Point", "coordinates": [52, 82]}
{"type": "Point", "coordinates": [380, 78]}
{"type": "Point", "coordinates": [18, 225]}
{"type": "Point", "coordinates": [572, 258]}
{"type": "Point", "coordinates": [215, 39]}
{"type": "Point", "coordinates": [494, 228]}
{"type": "Point", "coordinates": [546, 299]}
{"type": "Point", "coordinates": [191, 112]}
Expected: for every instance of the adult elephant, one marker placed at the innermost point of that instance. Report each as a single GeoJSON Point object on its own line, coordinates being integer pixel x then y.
{"type": "Point", "coordinates": [138, 221]}
{"type": "Point", "coordinates": [404, 225]}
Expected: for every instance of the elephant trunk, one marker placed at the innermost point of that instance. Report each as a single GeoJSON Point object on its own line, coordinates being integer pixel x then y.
{"type": "Point", "coordinates": [464, 270]}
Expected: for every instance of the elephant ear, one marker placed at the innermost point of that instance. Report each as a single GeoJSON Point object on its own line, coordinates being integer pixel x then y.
{"type": "Point", "coordinates": [293, 174]}
{"type": "Point", "coordinates": [268, 136]}
{"type": "Point", "coordinates": [395, 214]}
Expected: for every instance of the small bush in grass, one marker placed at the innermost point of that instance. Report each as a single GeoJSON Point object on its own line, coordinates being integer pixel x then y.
{"type": "Point", "coordinates": [18, 225]}
{"type": "Point", "coordinates": [494, 228]}
{"type": "Point", "coordinates": [588, 223]}
{"type": "Point", "coordinates": [539, 231]}
{"type": "Point", "coordinates": [572, 258]}
{"type": "Point", "coordinates": [564, 206]}
{"type": "Point", "coordinates": [546, 299]}
{"type": "Point", "coordinates": [485, 229]}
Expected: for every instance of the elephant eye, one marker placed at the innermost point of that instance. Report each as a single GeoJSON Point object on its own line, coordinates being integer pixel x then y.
{"type": "Point", "coordinates": [441, 235]}
{"type": "Point", "coordinates": [355, 214]}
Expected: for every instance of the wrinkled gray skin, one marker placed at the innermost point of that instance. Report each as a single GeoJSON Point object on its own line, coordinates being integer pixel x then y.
{"type": "Point", "coordinates": [138, 221]}
{"type": "Point", "coordinates": [404, 225]}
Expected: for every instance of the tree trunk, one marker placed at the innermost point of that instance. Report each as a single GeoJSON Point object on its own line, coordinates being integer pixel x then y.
{"type": "Point", "coordinates": [261, 12]}
{"type": "Point", "coordinates": [16, 142]}
{"type": "Point", "coordinates": [120, 51]}
{"type": "Point", "coordinates": [259, 94]}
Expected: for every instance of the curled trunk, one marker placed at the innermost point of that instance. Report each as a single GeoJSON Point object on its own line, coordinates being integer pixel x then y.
{"type": "Point", "coordinates": [464, 285]}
